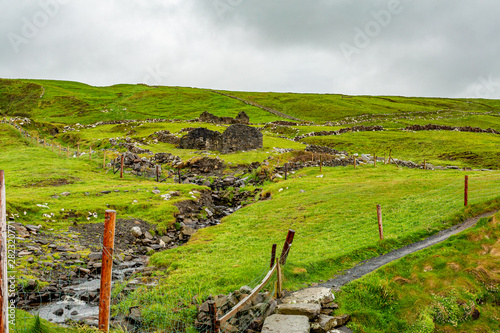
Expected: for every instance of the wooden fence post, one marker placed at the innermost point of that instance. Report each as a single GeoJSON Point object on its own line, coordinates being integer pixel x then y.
{"type": "Point", "coordinates": [67, 152]}
{"type": "Point", "coordinates": [78, 150]}
{"type": "Point", "coordinates": [425, 165]}
{"type": "Point", "coordinates": [104, 160]}
{"type": "Point", "coordinates": [59, 150]}
{"type": "Point", "coordinates": [320, 162]}
{"type": "Point", "coordinates": [466, 191]}
{"type": "Point", "coordinates": [355, 160]}
{"type": "Point", "coordinates": [273, 256]}
{"type": "Point", "coordinates": [121, 166]}
{"type": "Point", "coordinates": [44, 142]}
{"type": "Point", "coordinates": [106, 269]}
{"type": "Point", "coordinates": [286, 171]}
{"type": "Point", "coordinates": [375, 161]}
{"type": "Point", "coordinates": [286, 246]}
{"type": "Point", "coordinates": [379, 217]}
{"type": "Point", "coordinates": [157, 173]}
{"type": "Point", "coordinates": [90, 152]}
{"type": "Point", "coordinates": [279, 280]}
{"type": "Point", "coordinates": [179, 174]}
{"type": "Point", "coordinates": [52, 144]}
{"type": "Point", "coordinates": [212, 309]}
{"type": "Point", "coordinates": [4, 294]}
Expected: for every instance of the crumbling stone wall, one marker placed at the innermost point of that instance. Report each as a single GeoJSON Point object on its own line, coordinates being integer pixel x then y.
{"type": "Point", "coordinates": [236, 137]}
{"type": "Point", "coordinates": [241, 118]}
{"type": "Point", "coordinates": [202, 139]}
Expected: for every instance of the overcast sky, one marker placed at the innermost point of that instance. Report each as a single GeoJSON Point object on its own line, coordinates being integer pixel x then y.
{"type": "Point", "coordinates": [448, 48]}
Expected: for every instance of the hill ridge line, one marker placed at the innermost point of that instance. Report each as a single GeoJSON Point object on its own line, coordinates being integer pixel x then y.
{"type": "Point", "coordinates": [268, 109]}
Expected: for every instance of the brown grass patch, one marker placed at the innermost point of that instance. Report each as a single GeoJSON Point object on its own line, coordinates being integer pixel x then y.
{"type": "Point", "coordinates": [495, 251]}
{"type": "Point", "coordinates": [401, 280]}
{"type": "Point", "coordinates": [299, 270]}
{"type": "Point", "coordinates": [427, 268]}
{"type": "Point", "coordinates": [454, 266]}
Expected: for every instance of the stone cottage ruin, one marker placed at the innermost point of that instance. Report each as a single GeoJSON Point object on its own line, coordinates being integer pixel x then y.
{"type": "Point", "coordinates": [236, 137]}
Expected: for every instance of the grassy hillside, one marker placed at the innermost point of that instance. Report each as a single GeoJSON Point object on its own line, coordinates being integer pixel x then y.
{"type": "Point", "coordinates": [451, 287]}
{"type": "Point", "coordinates": [72, 102]}
{"type": "Point", "coordinates": [331, 107]}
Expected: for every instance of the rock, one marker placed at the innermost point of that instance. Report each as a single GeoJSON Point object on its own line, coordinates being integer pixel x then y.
{"type": "Point", "coordinates": [55, 196]}
{"type": "Point", "coordinates": [65, 194]}
{"type": "Point", "coordinates": [310, 310]}
{"type": "Point", "coordinates": [286, 324]}
{"type": "Point", "coordinates": [148, 235]}
{"type": "Point", "coordinates": [166, 239]}
{"type": "Point", "coordinates": [187, 231]}
{"type": "Point", "coordinates": [59, 312]}
{"type": "Point", "coordinates": [324, 324]}
{"type": "Point", "coordinates": [95, 256]}
{"type": "Point", "coordinates": [156, 191]}
{"type": "Point", "coordinates": [245, 290]}
{"type": "Point", "coordinates": [74, 313]}
{"type": "Point", "coordinates": [136, 232]}
{"type": "Point", "coordinates": [31, 227]}
{"type": "Point", "coordinates": [310, 295]}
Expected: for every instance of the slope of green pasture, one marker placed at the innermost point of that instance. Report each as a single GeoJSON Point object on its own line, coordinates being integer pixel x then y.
{"type": "Point", "coordinates": [449, 287]}
{"type": "Point", "coordinates": [335, 222]}
{"type": "Point", "coordinates": [325, 107]}
{"type": "Point", "coordinates": [71, 102]}
{"type": "Point", "coordinates": [477, 150]}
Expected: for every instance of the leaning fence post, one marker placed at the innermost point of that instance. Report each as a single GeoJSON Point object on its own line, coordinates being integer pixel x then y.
{"type": "Point", "coordinates": [273, 256]}
{"type": "Point", "coordinates": [121, 166]}
{"type": "Point", "coordinates": [212, 309]}
{"type": "Point", "coordinates": [4, 295]}
{"type": "Point", "coordinates": [379, 217]}
{"type": "Point", "coordinates": [286, 246]}
{"type": "Point", "coordinates": [466, 191]}
{"type": "Point", "coordinates": [106, 269]}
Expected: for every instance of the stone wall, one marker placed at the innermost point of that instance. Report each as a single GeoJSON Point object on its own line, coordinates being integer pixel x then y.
{"type": "Point", "coordinates": [236, 137]}
{"type": "Point", "coordinates": [241, 118]}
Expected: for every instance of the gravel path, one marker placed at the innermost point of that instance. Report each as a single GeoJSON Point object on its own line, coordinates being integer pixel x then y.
{"type": "Point", "coordinates": [372, 264]}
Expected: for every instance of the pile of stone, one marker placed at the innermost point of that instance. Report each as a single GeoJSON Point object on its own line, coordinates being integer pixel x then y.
{"type": "Point", "coordinates": [203, 165]}
{"type": "Point", "coordinates": [241, 118]}
{"type": "Point", "coordinates": [307, 310]}
{"type": "Point", "coordinates": [235, 138]}
{"type": "Point", "coordinates": [341, 131]}
{"type": "Point", "coordinates": [322, 150]}
{"type": "Point", "coordinates": [432, 127]}
{"type": "Point", "coordinates": [166, 158]}
{"type": "Point", "coordinates": [249, 319]}
{"type": "Point", "coordinates": [165, 137]}
{"type": "Point", "coordinates": [133, 148]}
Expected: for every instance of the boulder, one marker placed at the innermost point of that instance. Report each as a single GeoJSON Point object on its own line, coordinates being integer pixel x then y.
{"type": "Point", "coordinates": [310, 310]}
{"type": "Point", "coordinates": [286, 324]}
{"type": "Point", "coordinates": [136, 232]}
{"type": "Point", "coordinates": [310, 295]}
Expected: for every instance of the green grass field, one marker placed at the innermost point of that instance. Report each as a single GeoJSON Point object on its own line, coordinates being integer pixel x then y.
{"type": "Point", "coordinates": [451, 287]}
{"type": "Point", "coordinates": [333, 211]}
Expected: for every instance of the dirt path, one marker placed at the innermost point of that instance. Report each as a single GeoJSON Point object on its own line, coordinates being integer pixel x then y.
{"type": "Point", "coordinates": [372, 264]}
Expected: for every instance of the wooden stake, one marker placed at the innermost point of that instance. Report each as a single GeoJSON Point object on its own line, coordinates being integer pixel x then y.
{"type": "Point", "coordinates": [355, 159]}
{"type": "Point", "coordinates": [44, 143]}
{"type": "Point", "coordinates": [90, 152]}
{"type": "Point", "coordinates": [379, 217]}
{"type": "Point", "coordinates": [390, 153]}
{"type": "Point", "coordinates": [59, 150]}
{"type": "Point", "coordinates": [320, 162]}
{"type": "Point", "coordinates": [77, 150]}
{"type": "Point", "coordinates": [286, 246]}
{"type": "Point", "coordinates": [375, 161]}
{"type": "Point", "coordinates": [52, 144]}
{"type": "Point", "coordinates": [273, 255]}
{"type": "Point", "coordinates": [466, 191]}
{"type": "Point", "coordinates": [279, 282]}
{"type": "Point", "coordinates": [67, 152]}
{"type": "Point", "coordinates": [425, 165]}
{"type": "Point", "coordinates": [104, 160]}
{"type": "Point", "coordinates": [121, 166]}
{"type": "Point", "coordinates": [157, 173]}
{"type": "Point", "coordinates": [179, 175]}
{"type": "Point", "coordinates": [4, 294]}
{"type": "Point", "coordinates": [286, 171]}
{"type": "Point", "coordinates": [106, 269]}
{"type": "Point", "coordinates": [212, 309]}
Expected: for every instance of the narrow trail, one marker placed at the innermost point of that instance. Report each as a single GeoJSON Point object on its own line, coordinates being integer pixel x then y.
{"type": "Point", "coordinates": [373, 264]}
{"type": "Point", "coordinates": [273, 111]}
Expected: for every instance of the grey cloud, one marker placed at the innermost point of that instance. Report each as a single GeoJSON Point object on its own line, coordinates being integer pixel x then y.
{"type": "Point", "coordinates": [431, 48]}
